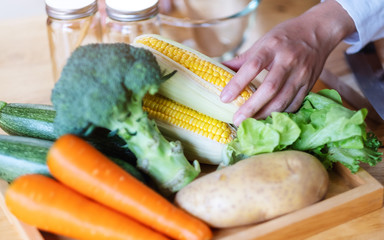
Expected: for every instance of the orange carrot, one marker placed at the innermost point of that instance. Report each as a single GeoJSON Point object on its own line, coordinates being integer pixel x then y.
{"type": "Point", "coordinates": [50, 206]}
{"type": "Point", "coordinates": [80, 166]}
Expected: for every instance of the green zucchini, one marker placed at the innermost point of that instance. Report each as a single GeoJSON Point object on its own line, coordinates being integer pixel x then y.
{"type": "Point", "coordinates": [24, 155]}
{"type": "Point", "coordinates": [36, 120]}
{"type": "Point", "coordinates": [31, 120]}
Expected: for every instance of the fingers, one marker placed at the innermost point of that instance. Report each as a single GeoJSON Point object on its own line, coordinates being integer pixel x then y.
{"type": "Point", "coordinates": [288, 100]}
{"type": "Point", "coordinates": [298, 98]}
{"type": "Point", "coordinates": [294, 61]}
{"type": "Point", "coordinates": [295, 86]}
{"type": "Point", "coordinates": [282, 90]}
{"type": "Point", "coordinates": [269, 90]}
{"type": "Point", "coordinates": [236, 62]}
{"type": "Point", "coordinates": [247, 72]}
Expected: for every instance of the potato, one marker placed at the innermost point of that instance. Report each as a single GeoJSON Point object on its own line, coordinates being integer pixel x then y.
{"type": "Point", "coordinates": [255, 189]}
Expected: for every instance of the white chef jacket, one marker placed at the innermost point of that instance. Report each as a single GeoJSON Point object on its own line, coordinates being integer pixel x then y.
{"type": "Point", "coordinates": [368, 16]}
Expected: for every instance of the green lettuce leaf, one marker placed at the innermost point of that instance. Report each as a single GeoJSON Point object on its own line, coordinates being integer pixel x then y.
{"type": "Point", "coordinates": [288, 130]}
{"type": "Point", "coordinates": [256, 137]}
{"type": "Point", "coordinates": [322, 127]}
{"type": "Point", "coordinates": [330, 124]}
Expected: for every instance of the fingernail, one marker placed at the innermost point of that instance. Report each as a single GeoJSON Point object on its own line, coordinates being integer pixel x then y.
{"type": "Point", "coordinates": [238, 119]}
{"type": "Point", "coordinates": [225, 96]}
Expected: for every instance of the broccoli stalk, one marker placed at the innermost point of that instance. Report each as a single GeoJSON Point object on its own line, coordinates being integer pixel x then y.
{"type": "Point", "coordinates": [103, 85]}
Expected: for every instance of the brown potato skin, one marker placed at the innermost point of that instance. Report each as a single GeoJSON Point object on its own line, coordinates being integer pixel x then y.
{"type": "Point", "coordinates": [255, 189]}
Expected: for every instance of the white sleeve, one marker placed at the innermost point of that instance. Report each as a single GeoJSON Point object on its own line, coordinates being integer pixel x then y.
{"type": "Point", "coordinates": [368, 16]}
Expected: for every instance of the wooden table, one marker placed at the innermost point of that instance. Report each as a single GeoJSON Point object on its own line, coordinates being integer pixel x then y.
{"type": "Point", "coordinates": [25, 76]}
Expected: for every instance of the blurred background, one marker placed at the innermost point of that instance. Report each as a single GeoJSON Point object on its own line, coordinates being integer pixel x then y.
{"type": "Point", "coordinates": [11, 9]}
{"type": "Point", "coordinates": [25, 53]}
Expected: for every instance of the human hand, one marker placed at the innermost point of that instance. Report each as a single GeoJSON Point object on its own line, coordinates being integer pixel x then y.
{"type": "Point", "coordinates": [294, 53]}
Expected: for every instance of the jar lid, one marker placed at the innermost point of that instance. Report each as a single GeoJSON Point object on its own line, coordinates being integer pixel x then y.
{"type": "Point", "coordinates": [70, 9]}
{"type": "Point", "coordinates": [131, 10]}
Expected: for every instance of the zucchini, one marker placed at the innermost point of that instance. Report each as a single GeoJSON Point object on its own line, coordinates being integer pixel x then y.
{"type": "Point", "coordinates": [24, 155]}
{"type": "Point", "coordinates": [31, 120]}
{"type": "Point", "coordinates": [36, 121]}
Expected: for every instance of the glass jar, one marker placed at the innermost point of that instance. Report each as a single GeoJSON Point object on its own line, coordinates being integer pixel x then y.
{"type": "Point", "coordinates": [127, 19]}
{"type": "Point", "coordinates": [70, 23]}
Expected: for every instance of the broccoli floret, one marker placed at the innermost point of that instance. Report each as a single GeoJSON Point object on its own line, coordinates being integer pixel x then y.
{"type": "Point", "coordinates": [102, 85]}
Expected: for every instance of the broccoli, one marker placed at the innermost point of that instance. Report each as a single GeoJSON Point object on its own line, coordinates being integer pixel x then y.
{"type": "Point", "coordinates": [102, 85]}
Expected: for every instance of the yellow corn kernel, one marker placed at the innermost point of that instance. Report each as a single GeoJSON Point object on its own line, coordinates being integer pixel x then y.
{"type": "Point", "coordinates": [173, 113]}
{"type": "Point", "coordinates": [204, 69]}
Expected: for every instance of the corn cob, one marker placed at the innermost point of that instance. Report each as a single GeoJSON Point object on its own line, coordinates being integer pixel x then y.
{"type": "Point", "coordinates": [203, 137]}
{"type": "Point", "coordinates": [198, 81]}
{"type": "Point", "coordinates": [188, 107]}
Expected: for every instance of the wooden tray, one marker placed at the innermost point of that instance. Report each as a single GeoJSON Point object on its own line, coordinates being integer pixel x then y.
{"type": "Point", "coordinates": [349, 196]}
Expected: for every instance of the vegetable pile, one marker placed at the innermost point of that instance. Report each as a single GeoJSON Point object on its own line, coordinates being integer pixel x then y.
{"type": "Point", "coordinates": [84, 173]}
{"type": "Point", "coordinates": [103, 85]}
{"type": "Point", "coordinates": [61, 210]}
{"type": "Point", "coordinates": [98, 106]}
{"type": "Point", "coordinates": [256, 189]}
{"type": "Point", "coordinates": [322, 127]}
